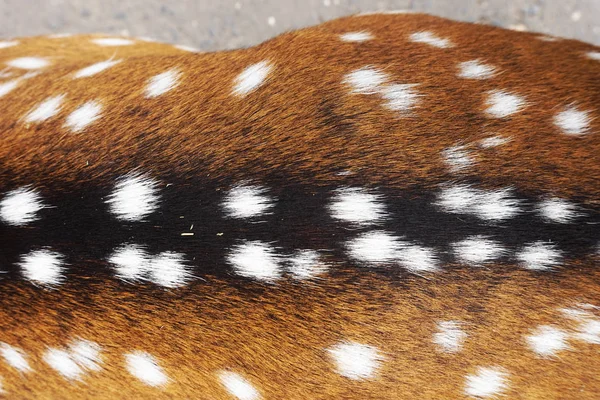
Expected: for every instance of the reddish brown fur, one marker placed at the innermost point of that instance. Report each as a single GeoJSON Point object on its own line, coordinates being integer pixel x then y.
{"type": "Point", "coordinates": [277, 337]}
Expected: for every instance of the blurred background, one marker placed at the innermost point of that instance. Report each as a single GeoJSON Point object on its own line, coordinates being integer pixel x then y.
{"type": "Point", "coordinates": [228, 24]}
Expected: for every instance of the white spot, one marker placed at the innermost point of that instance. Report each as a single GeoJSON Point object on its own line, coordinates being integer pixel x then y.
{"type": "Point", "coordinates": [14, 357]}
{"type": "Point", "coordinates": [42, 267]}
{"type": "Point", "coordinates": [247, 202]}
{"type": "Point", "coordinates": [573, 121]}
{"type": "Point", "coordinates": [477, 250]}
{"type": "Point", "coordinates": [547, 38]}
{"type": "Point", "coordinates": [162, 83]}
{"type": "Point", "coordinates": [503, 104]}
{"type": "Point", "coordinates": [486, 382]}
{"type": "Point", "coordinates": [112, 42]}
{"type": "Point", "coordinates": [255, 260]}
{"type": "Point", "coordinates": [86, 354]}
{"type": "Point", "coordinates": [357, 206]}
{"type": "Point", "coordinates": [9, 86]}
{"type": "Point", "coordinates": [491, 205]}
{"type": "Point", "coordinates": [238, 386]}
{"type": "Point", "coordinates": [579, 314]}
{"type": "Point", "coordinates": [62, 362]}
{"type": "Point", "coordinates": [59, 35]}
{"type": "Point", "coordinates": [576, 16]}
{"type": "Point", "coordinates": [306, 264]}
{"type": "Point", "coordinates": [271, 21]}
{"type": "Point", "coordinates": [361, 36]}
{"type": "Point", "coordinates": [496, 205]}
{"type": "Point", "coordinates": [376, 247]}
{"type": "Point", "coordinates": [95, 68]}
{"type": "Point", "coordinates": [518, 27]}
{"type": "Point", "coordinates": [431, 39]}
{"type": "Point", "coordinates": [28, 63]}
{"type": "Point", "coordinates": [131, 263]}
{"type": "Point", "coordinates": [547, 340]}
{"type": "Point", "coordinates": [145, 368]}
{"type": "Point", "coordinates": [400, 97]}
{"type": "Point", "coordinates": [20, 206]}
{"type": "Point", "coordinates": [589, 331]}
{"type": "Point", "coordinates": [8, 43]}
{"type": "Point", "coordinates": [457, 158]}
{"type": "Point", "coordinates": [134, 197]}
{"type": "Point", "coordinates": [493, 141]}
{"type": "Point", "coordinates": [379, 247]}
{"type": "Point", "coordinates": [557, 210]}
{"type": "Point", "coordinates": [45, 110]}
{"type": "Point", "coordinates": [593, 55]}
{"type": "Point", "coordinates": [251, 78]}
{"type": "Point", "coordinates": [539, 256]}
{"type": "Point", "coordinates": [366, 80]}
{"type": "Point", "coordinates": [449, 336]}
{"type": "Point", "coordinates": [83, 116]}
{"type": "Point", "coordinates": [474, 69]}
{"type": "Point", "coordinates": [168, 269]}
{"type": "Point", "coordinates": [416, 258]}
{"type": "Point", "coordinates": [356, 361]}
{"type": "Point", "coordinates": [184, 47]}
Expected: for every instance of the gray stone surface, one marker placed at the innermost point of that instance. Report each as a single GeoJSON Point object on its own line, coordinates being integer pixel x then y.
{"type": "Point", "coordinates": [215, 25]}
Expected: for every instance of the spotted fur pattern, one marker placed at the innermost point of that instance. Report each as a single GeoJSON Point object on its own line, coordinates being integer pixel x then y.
{"type": "Point", "coordinates": [381, 206]}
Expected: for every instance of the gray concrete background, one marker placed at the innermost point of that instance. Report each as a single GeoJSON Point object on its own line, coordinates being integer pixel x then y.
{"type": "Point", "coordinates": [215, 25]}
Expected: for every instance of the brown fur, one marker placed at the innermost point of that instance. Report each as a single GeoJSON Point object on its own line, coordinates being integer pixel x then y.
{"type": "Point", "coordinates": [276, 335]}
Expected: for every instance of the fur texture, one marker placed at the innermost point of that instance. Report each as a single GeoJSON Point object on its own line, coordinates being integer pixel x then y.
{"type": "Point", "coordinates": [378, 207]}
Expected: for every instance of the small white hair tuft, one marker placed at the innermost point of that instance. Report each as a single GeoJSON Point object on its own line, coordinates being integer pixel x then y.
{"type": "Point", "coordinates": [477, 250]}
{"type": "Point", "coordinates": [306, 264]}
{"type": "Point", "coordinates": [45, 110]}
{"type": "Point", "coordinates": [366, 80]}
{"type": "Point", "coordinates": [355, 360]}
{"type": "Point", "coordinates": [449, 336]}
{"type": "Point", "coordinates": [42, 267]}
{"type": "Point", "coordinates": [486, 382]}
{"type": "Point", "coordinates": [4, 44]}
{"type": "Point", "coordinates": [61, 361]}
{"type": "Point", "coordinates": [431, 39]}
{"type": "Point", "coordinates": [502, 104]}
{"type": "Point", "coordinates": [251, 78]}
{"type": "Point", "coordinates": [247, 201]}
{"type": "Point", "coordinates": [539, 256]}
{"type": "Point", "coordinates": [95, 68]}
{"type": "Point", "coordinates": [83, 116]}
{"type": "Point", "coordinates": [360, 36]}
{"type": "Point", "coordinates": [357, 206]}
{"type": "Point", "coordinates": [134, 197]}
{"type": "Point", "coordinates": [400, 97]}
{"type": "Point", "coordinates": [490, 205]}
{"type": "Point", "coordinates": [238, 386]}
{"type": "Point", "coordinates": [15, 357]}
{"type": "Point", "coordinates": [593, 55]}
{"type": "Point", "coordinates": [28, 63]}
{"type": "Point", "coordinates": [162, 83]}
{"type": "Point", "coordinates": [547, 340]}
{"type": "Point", "coordinates": [474, 69]}
{"type": "Point", "coordinates": [572, 121]}
{"type": "Point", "coordinates": [255, 260]}
{"type": "Point", "coordinates": [20, 206]}
{"type": "Point", "coordinates": [111, 42]}
{"type": "Point", "coordinates": [145, 367]}
{"type": "Point", "coordinates": [558, 210]}
{"type": "Point", "coordinates": [457, 158]}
